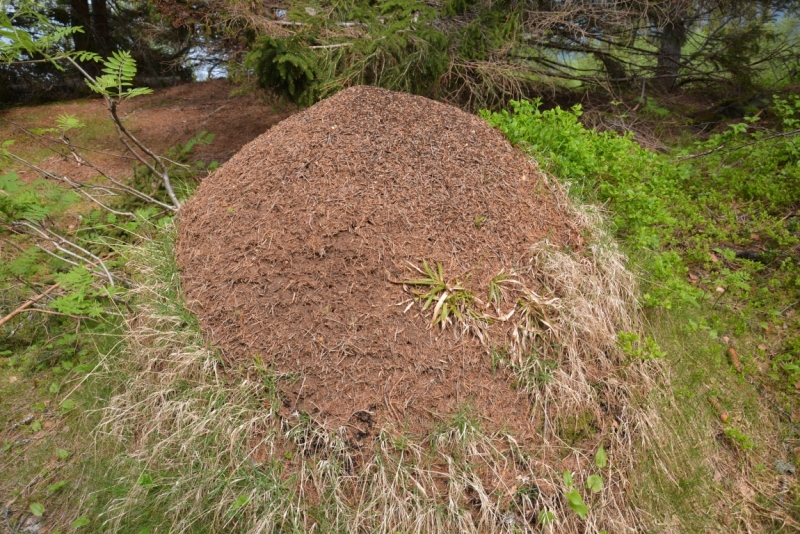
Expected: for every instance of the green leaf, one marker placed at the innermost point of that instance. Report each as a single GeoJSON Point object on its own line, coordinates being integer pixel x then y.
{"type": "Point", "coordinates": [568, 482]}
{"type": "Point", "coordinates": [131, 93]}
{"type": "Point", "coordinates": [62, 453]}
{"type": "Point", "coordinates": [54, 387]}
{"type": "Point", "coordinates": [76, 279]}
{"type": "Point", "coordinates": [10, 183]}
{"type": "Point", "coordinates": [240, 501]}
{"type": "Point", "coordinates": [39, 406]}
{"type": "Point", "coordinates": [81, 522]}
{"type": "Point", "coordinates": [36, 426]}
{"type": "Point", "coordinates": [546, 517]}
{"type": "Point", "coordinates": [67, 405]}
{"type": "Point", "coordinates": [576, 503]}
{"type": "Point", "coordinates": [601, 458]}
{"type": "Point", "coordinates": [68, 122]}
{"type": "Point", "coordinates": [594, 483]}
{"type": "Point", "coordinates": [52, 488]}
{"type": "Point", "coordinates": [37, 509]}
{"type": "Point", "coordinates": [145, 479]}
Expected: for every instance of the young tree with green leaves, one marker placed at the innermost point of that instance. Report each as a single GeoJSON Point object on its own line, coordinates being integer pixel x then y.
{"type": "Point", "coordinates": [72, 270]}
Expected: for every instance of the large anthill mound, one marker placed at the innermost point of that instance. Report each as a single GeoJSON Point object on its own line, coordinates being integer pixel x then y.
{"type": "Point", "coordinates": [295, 253]}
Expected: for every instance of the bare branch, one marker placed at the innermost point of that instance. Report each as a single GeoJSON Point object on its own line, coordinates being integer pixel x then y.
{"type": "Point", "coordinates": [28, 303]}
{"type": "Point", "coordinates": [723, 148]}
{"type": "Point", "coordinates": [58, 240]}
{"type": "Point", "coordinates": [77, 186]}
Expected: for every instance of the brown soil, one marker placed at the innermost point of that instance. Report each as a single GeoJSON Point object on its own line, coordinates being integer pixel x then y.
{"type": "Point", "coordinates": [167, 117]}
{"type": "Point", "coordinates": [291, 252]}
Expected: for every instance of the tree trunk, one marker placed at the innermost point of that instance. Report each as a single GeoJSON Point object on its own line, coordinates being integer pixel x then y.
{"type": "Point", "coordinates": [669, 54]}
{"type": "Point", "coordinates": [614, 69]}
{"type": "Point", "coordinates": [79, 15]}
{"type": "Point", "coordinates": [101, 31]}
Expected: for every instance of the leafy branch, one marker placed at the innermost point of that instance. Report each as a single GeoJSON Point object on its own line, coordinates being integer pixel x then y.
{"type": "Point", "coordinates": [120, 70]}
{"type": "Point", "coordinates": [114, 85]}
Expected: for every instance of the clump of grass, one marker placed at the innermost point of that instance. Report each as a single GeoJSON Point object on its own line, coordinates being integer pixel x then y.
{"type": "Point", "coordinates": [450, 297]}
{"type": "Point", "coordinates": [454, 304]}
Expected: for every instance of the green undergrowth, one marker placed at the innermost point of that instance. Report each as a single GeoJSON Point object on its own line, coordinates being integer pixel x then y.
{"type": "Point", "coordinates": [54, 355]}
{"type": "Point", "coordinates": [713, 232]}
{"type": "Point", "coordinates": [410, 46]}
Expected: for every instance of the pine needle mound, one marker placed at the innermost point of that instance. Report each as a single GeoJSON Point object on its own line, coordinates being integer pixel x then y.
{"type": "Point", "coordinates": [292, 252]}
{"type": "Point", "coordinates": [295, 252]}
{"type": "Point", "coordinates": [397, 268]}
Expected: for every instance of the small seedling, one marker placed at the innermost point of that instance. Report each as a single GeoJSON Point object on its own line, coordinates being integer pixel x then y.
{"type": "Point", "coordinates": [52, 488]}
{"type": "Point", "coordinates": [451, 298]}
{"type": "Point", "coordinates": [739, 438]}
{"type": "Point", "coordinates": [81, 522]}
{"type": "Point", "coordinates": [568, 481]}
{"type": "Point", "coordinates": [240, 502]}
{"type": "Point", "coordinates": [546, 517]}
{"type": "Point", "coordinates": [575, 502]}
{"type": "Point", "coordinates": [495, 295]}
{"type": "Point", "coordinates": [635, 347]}
{"type": "Point", "coordinates": [594, 483]}
{"type": "Point", "coordinates": [479, 220]}
{"type": "Point", "coordinates": [573, 497]}
{"type": "Point", "coordinates": [601, 458]}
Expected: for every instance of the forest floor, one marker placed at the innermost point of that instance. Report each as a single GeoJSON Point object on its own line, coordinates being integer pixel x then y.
{"type": "Point", "coordinates": [167, 118]}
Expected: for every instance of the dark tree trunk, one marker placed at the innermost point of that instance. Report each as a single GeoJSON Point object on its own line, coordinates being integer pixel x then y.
{"type": "Point", "coordinates": [79, 13]}
{"type": "Point", "coordinates": [101, 31]}
{"type": "Point", "coordinates": [614, 69]}
{"type": "Point", "coordinates": [669, 54]}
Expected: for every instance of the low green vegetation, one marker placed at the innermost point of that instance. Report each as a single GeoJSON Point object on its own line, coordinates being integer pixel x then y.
{"type": "Point", "coordinates": [66, 301]}
{"type": "Point", "coordinates": [713, 226]}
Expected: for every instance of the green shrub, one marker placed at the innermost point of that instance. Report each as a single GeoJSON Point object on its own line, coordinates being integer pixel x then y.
{"type": "Point", "coordinates": [286, 65]}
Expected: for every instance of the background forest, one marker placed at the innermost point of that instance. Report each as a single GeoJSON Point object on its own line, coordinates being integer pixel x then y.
{"type": "Point", "coordinates": [680, 119]}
